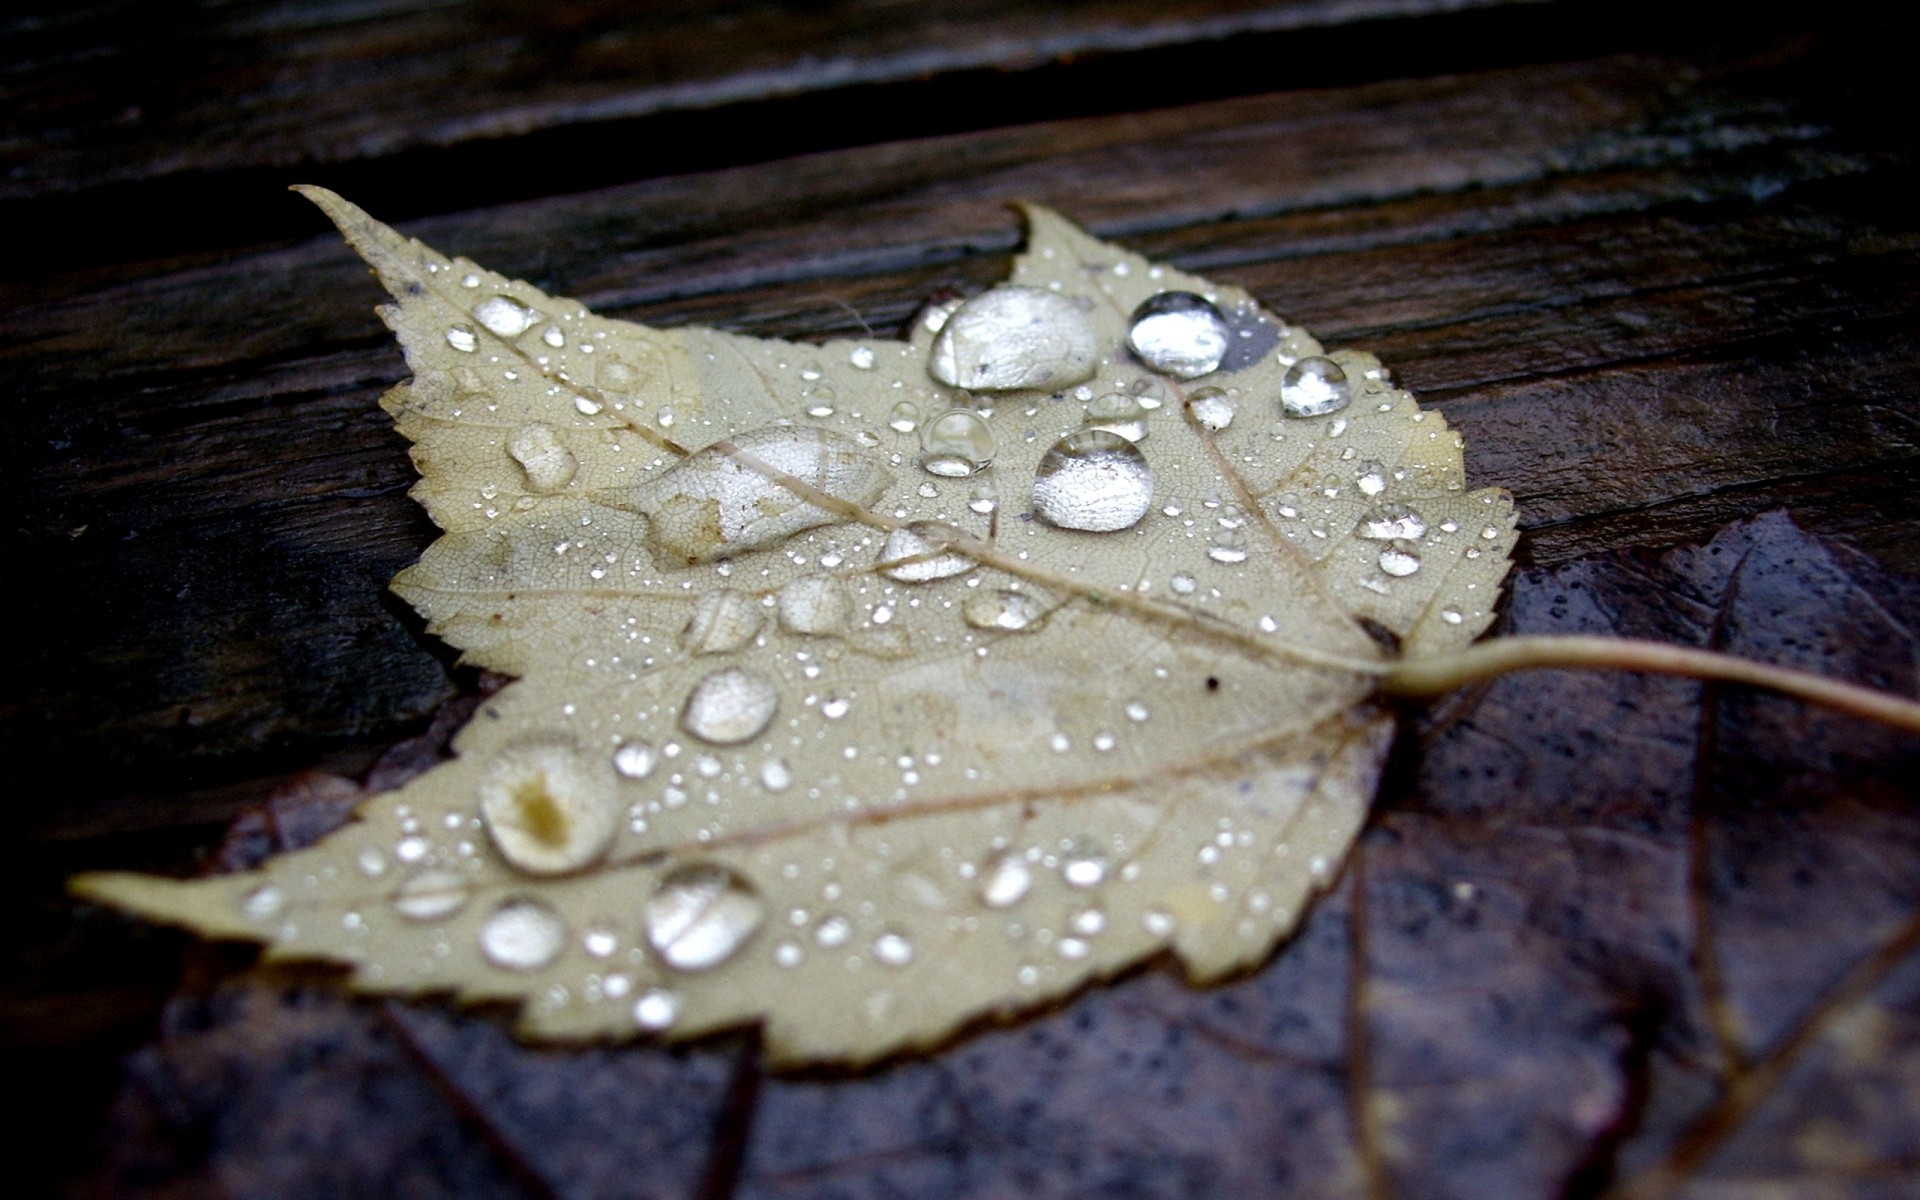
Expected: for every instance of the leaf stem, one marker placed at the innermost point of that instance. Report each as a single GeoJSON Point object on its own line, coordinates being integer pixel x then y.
{"type": "Point", "coordinates": [1421, 678]}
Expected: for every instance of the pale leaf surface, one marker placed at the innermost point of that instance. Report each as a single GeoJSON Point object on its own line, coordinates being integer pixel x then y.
{"type": "Point", "coordinates": [810, 733]}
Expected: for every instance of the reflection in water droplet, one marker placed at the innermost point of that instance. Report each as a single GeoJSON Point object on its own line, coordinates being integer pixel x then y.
{"type": "Point", "coordinates": [1117, 412]}
{"type": "Point", "coordinates": [815, 604]}
{"type": "Point", "coordinates": [462, 338]}
{"type": "Point", "coordinates": [1005, 880]}
{"type": "Point", "coordinates": [893, 949]}
{"type": "Point", "coordinates": [905, 417]}
{"type": "Point", "coordinates": [700, 916]}
{"type": "Point", "coordinates": [957, 443]}
{"type": "Point", "coordinates": [1002, 609]}
{"type": "Point", "coordinates": [431, 894]}
{"type": "Point", "coordinates": [918, 554]}
{"type": "Point", "coordinates": [1179, 334]}
{"type": "Point", "coordinates": [503, 316]}
{"type": "Point", "coordinates": [656, 1009]}
{"type": "Point", "coordinates": [1399, 559]}
{"type": "Point", "coordinates": [1016, 337]}
{"type": "Point", "coordinates": [635, 759]}
{"type": "Point", "coordinates": [723, 621]}
{"type": "Point", "coordinates": [523, 935]}
{"type": "Point", "coordinates": [1314, 387]}
{"type": "Point", "coordinates": [547, 809]}
{"type": "Point", "coordinates": [1212, 408]}
{"type": "Point", "coordinates": [1093, 480]}
{"type": "Point", "coordinates": [730, 705]}
{"type": "Point", "coordinates": [548, 465]}
{"type": "Point", "coordinates": [1393, 522]}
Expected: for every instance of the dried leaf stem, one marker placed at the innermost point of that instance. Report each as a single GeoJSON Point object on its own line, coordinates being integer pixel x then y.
{"type": "Point", "coordinates": [1423, 678]}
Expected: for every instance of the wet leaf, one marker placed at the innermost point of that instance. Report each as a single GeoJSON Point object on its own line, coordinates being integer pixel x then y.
{"type": "Point", "coordinates": [870, 688]}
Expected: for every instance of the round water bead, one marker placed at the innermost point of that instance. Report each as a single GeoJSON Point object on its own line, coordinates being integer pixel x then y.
{"type": "Point", "coordinates": [1016, 337]}
{"type": "Point", "coordinates": [1093, 480]}
{"type": "Point", "coordinates": [548, 809]}
{"type": "Point", "coordinates": [701, 915]}
{"type": "Point", "coordinates": [958, 443]}
{"type": "Point", "coordinates": [1212, 408]}
{"type": "Point", "coordinates": [919, 555]}
{"type": "Point", "coordinates": [1117, 412]}
{"type": "Point", "coordinates": [549, 466]}
{"type": "Point", "coordinates": [504, 317]}
{"type": "Point", "coordinates": [523, 934]}
{"type": "Point", "coordinates": [1393, 522]}
{"type": "Point", "coordinates": [431, 894]}
{"type": "Point", "coordinates": [1179, 334]}
{"type": "Point", "coordinates": [730, 706]}
{"type": "Point", "coordinates": [1314, 387]}
{"type": "Point", "coordinates": [1002, 609]}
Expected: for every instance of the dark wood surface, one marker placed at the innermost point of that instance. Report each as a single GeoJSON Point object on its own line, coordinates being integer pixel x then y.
{"type": "Point", "coordinates": [1659, 267]}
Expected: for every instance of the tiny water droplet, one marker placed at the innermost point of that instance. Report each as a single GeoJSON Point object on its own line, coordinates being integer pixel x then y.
{"type": "Point", "coordinates": [1001, 609]}
{"type": "Point", "coordinates": [523, 935]}
{"type": "Point", "coordinates": [264, 903]}
{"type": "Point", "coordinates": [701, 915]}
{"type": "Point", "coordinates": [957, 443]}
{"type": "Point", "coordinates": [600, 941]}
{"type": "Point", "coordinates": [586, 407]}
{"type": "Point", "coordinates": [1451, 616]}
{"type": "Point", "coordinates": [463, 338]}
{"type": "Point", "coordinates": [776, 775]}
{"type": "Point", "coordinates": [1093, 480]}
{"type": "Point", "coordinates": [1371, 478]}
{"type": "Point", "coordinates": [431, 894]}
{"type": "Point", "coordinates": [656, 1009]}
{"type": "Point", "coordinates": [1228, 546]}
{"type": "Point", "coordinates": [861, 357]}
{"type": "Point", "coordinates": [981, 499]}
{"type": "Point", "coordinates": [835, 708]}
{"type": "Point", "coordinates": [834, 931]}
{"type": "Point", "coordinates": [1183, 584]}
{"type": "Point", "coordinates": [1005, 880]}
{"type": "Point", "coordinates": [1090, 922]}
{"type": "Point", "coordinates": [918, 557]}
{"type": "Point", "coordinates": [635, 759]}
{"type": "Point", "coordinates": [1136, 711]}
{"type": "Point", "coordinates": [1393, 522]}
{"type": "Point", "coordinates": [893, 949]}
{"type": "Point", "coordinates": [1083, 867]}
{"type": "Point", "coordinates": [1399, 559]}
{"type": "Point", "coordinates": [1314, 387]}
{"type": "Point", "coordinates": [553, 337]}
{"type": "Point", "coordinates": [1179, 334]}
{"type": "Point", "coordinates": [904, 418]}
{"type": "Point", "coordinates": [1117, 412]}
{"type": "Point", "coordinates": [503, 316]}
{"type": "Point", "coordinates": [1212, 408]}
{"type": "Point", "coordinates": [730, 705]}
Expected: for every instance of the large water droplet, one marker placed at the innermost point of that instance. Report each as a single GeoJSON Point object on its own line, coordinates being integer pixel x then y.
{"type": "Point", "coordinates": [1400, 559]}
{"type": "Point", "coordinates": [1117, 412]}
{"type": "Point", "coordinates": [523, 935]}
{"type": "Point", "coordinates": [547, 809]}
{"type": "Point", "coordinates": [730, 705]}
{"type": "Point", "coordinates": [431, 894]}
{"type": "Point", "coordinates": [1002, 609]}
{"type": "Point", "coordinates": [815, 604]}
{"type": "Point", "coordinates": [701, 915]}
{"type": "Point", "coordinates": [958, 443]}
{"type": "Point", "coordinates": [1314, 387]}
{"type": "Point", "coordinates": [1093, 480]}
{"type": "Point", "coordinates": [504, 317]}
{"type": "Point", "coordinates": [718, 501]}
{"type": "Point", "coordinates": [723, 621]}
{"type": "Point", "coordinates": [1212, 408]}
{"type": "Point", "coordinates": [548, 465]}
{"type": "Point", "coordinates": [1016, 337]}
{"type": "Point", "coordinates": [1393, 522]}
{"type": "Point", "coordinates": [1005, 880]}
{"type": "Point", "coordinates": [919, 555]}
{"type": "Point", "coordinates": [1179, 334]}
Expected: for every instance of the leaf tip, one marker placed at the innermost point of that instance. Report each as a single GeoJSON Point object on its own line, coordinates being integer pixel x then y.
{"type": "Point", "coordinates": [200, 905]}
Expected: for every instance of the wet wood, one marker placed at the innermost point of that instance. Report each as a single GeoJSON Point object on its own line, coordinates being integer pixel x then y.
{"type": "Point", "coordinates": [1659, 271]}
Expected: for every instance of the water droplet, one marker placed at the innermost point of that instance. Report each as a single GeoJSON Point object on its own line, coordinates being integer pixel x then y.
{"type": "Point", "coordinates": [552, 336]}
{"type": "Point", "coordinates": [503, 316]}
{"type": "Point", "coordinates": [861, 357]}
{"type": "Point", "coordinates": [1083, 867]}
{"type": "Point", "coordinates": [1090, 922]}
{"type": "Point", "coordinates": [547, 809]}
{"type": "Point", "coordinates": [1002, 609]}
{"type": "Point", "coordinates": [905, 417]}
{"type": "Point", "coordinates": [1212, 408]}
{"type": "Point", "coordinates": [463, 338]}
{"type": "Point", "coordinates": [1093, 480]}
{"type": "Point", "coordinates": [1157, 923]}
{"type": "Point", "coordinates": [1183, 584]}
{"type": "Point", "coordinates": [656, 1009]}
{"type": "Point", "coordinates": [1451, 616]}
{"type": "Point", "coordinates": [701, 915]}
{"type": "Point", "coordinates": [1179, 334]}
{"type": "Point", "coordinates": [523, 935]}
{"type": "Point", "coordinates": [1314, 387]}
{"type": "Point", "coordinates": [1399, 559]}
{"type": "Point", "coordinates": [981, 499]}
{"type": "Point", "coordinates": [833, 932]}
{"type": "Point", "coordinates": [1228, 546]}
{"type": "Point", "coordinates": [1016, 337]}
{"type": "Point", "coordinates": [1005, 880]}
{"type": "Point", "coordinates": [788, 954]}
{"type": "Point", "coordinates": [776, 775]}
{"type": "Point", "coordinates": [893, 949]}
{"type": "Point", "coordinates": [719, 500]}
{"type": "Point", "coordinates": [586, 407]}
{"type": "Point", "coordinates": [1136, 711]}
{"type": "Point", "coordinates": [835, 708]}
{"type": "Point", "coordinates": [1370, 478]}
{"type": "Point", "coordinates": [917, 550]}
{"type": "Point", "coordinates": [1393, 522]}
{"type": "Point", "coordinates": [600, 941]}
{"type": "Point", "coordinates": [723, 621]}
{"type": "Point", "coordinates": [548, 465]}
{"type": "Point", "coordinates": [1117, 412]}
{"type": "Point", "coordinates": [431, 894]}
{"type": "Point", "coordinates": [264, 903]}
{"type": "Point", "coordinates": [373, 864]}
{"type": "Point", "coordinates": [635, 759]}
{"type": "Point", "coordinates": [730, 706]}
{"type": "Point", "coordinates": [957, 443]}
{"type": "Point", "coordinates": [815, 604]}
